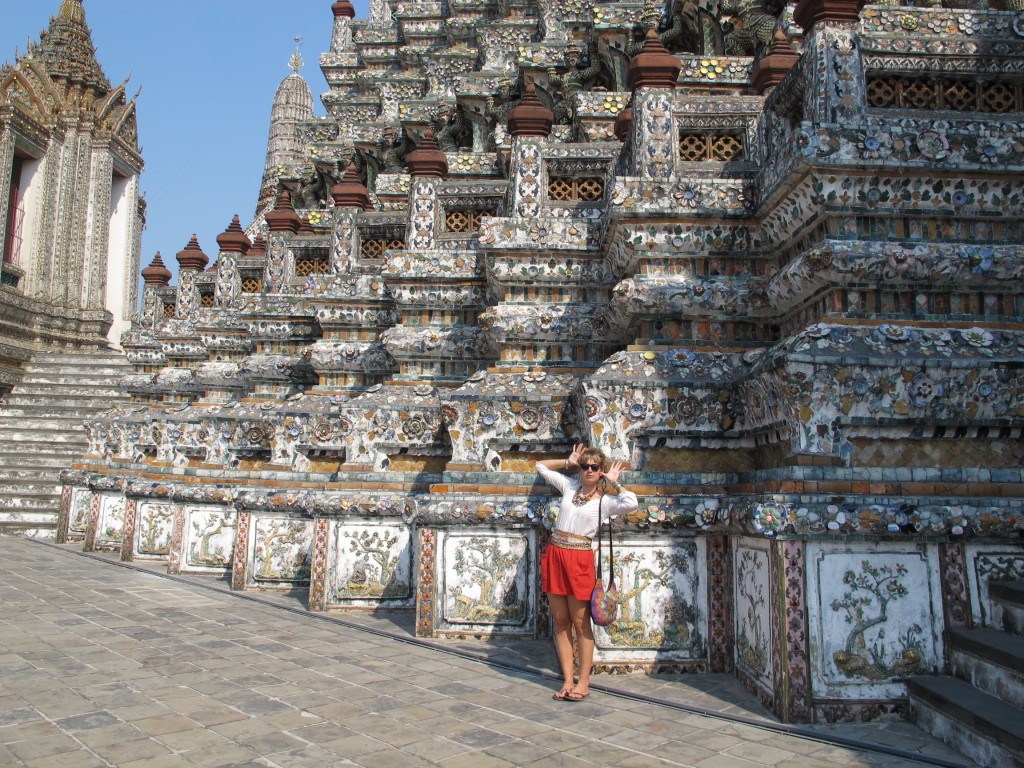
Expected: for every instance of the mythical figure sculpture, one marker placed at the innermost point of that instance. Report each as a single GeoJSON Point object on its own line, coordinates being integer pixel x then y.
{"type": "Point", "coordinates": [500, 104]}
{"type": "Point", "coordinates": [686, 26]}
{"type": "Point", "coordinates": [450, 128]}
{"type": "Point", "coordinates": [394, 146]}
{"type": "Point", "coordinates": [752, 29]}
{"type": "Point", "coordinates": [314, 186]}
{"type": "Point", "coordinates": [588, 71]}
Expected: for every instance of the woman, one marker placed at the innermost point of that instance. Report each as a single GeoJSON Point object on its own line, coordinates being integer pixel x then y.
{"type": "Point", "coordinates": [567, 566]}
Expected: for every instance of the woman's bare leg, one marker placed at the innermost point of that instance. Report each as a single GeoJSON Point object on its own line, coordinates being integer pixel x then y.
{"type": "Point", "coordinates": [579, 612]}
{"type": "Point", "coordinates": [563, 642]}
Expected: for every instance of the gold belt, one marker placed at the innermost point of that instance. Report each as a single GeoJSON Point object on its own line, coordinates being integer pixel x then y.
{"type": "Point", "coordinates": [567, 540]}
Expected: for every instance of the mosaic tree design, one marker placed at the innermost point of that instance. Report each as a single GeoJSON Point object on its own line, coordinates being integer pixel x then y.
{"type": "Point", "coordinates": [487, 591]}
{"type": "Point", "coordinates": [865, 605]}
{"type": "Point", "coordinates": [282, 550]}
{"type": "Point", "coordinates": [636, 576]}
{"type": "Point", "coordinates": [375, 571]}
{"type": "Point", "coordinates": [212, 541]}
{"type": "Point", "coordinates": [155, 524]}
{"type": "Point", "coordinates": [752, 641]}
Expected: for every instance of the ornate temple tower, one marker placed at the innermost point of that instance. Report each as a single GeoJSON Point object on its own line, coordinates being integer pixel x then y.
{"type": "Point", "coordinates": [70, 211]}
{"type": "Point", "coordinates": [293, 106]}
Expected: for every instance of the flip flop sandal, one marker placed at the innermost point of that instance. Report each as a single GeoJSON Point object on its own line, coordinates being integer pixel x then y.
{"type": "Point", "coordinates": [562, 694]}
{"type": "Point", "coordinates": [573, 696]}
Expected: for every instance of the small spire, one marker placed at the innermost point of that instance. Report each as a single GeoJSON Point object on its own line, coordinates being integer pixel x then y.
{"type": "Point", "coordinates": [427, 159]}
{"type": "Point", "coordinates": [259, 247]}
{"type": "Point", "coordinates": [233, 239]}
{"type": "Point", "coordinates": [350, 192]}
{"type": "Point", "coordinates": [296, 63]}
{"type": "Point", "coordinates": [283, 217]}
{"type": "Point", "coordinates": [530, 117]}
{"type": "Point", "coordinates": [157, 272]}
{"type": "Point", "coordinates": [192, 256]}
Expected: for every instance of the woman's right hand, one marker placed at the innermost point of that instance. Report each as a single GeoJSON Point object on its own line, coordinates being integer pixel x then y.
{"type": "Point", "coordinates": [573, 462]}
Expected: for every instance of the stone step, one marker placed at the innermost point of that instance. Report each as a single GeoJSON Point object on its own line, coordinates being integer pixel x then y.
{"type": "Point", "coordinates": [27, 394]}
{"type": "Point", "coordinates": [991, 661]}
{"type": "Point", "coordinates": [984, 728]}
{"type": "Point", "coordinates": [95, 401]}
{"type": "Point", "coordinates": [28, 435]}
{"type": "Point", "coordinates": [15, 447]}
{"type": "Point", "coordinates": [28, 413]}
{"type": "Point", "coordinates": [1007, 606]}
{"type": "Point", "coordinates": [44, 383]}
{"type": "Point", "coordinates": [44, 504]}
{"type": "Point", "coordinates": [41, 530]}
{"type": "Point", "coordinates": [54, 463]}
{"type": "Point", "coordinates": [42, 426]}
{"type": "Point", "coordinates": [28, 487]}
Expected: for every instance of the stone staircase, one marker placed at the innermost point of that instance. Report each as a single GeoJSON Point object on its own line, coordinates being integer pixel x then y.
{"type": "Point", "coordinates": [42, 431]}
{"type": "Point", "coordinates": [979, 710]}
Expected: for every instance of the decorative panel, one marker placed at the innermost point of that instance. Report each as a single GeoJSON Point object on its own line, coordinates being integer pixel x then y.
{"type": "Point", "coordinates": [875, 617]}
{"type": "Point", "coordinates": [486, 582]}
{"type": "Point", "coordinates": [78, 516]}
{"type": "Point", "coordinates": [153, 528]}
{"type": "Point", "coordinates": [988, 563]}
{"type": "Point", "coordinates": [369, 564]}
{"type": "Point", "coordinates": [752, 600]}
{"type": "Point", "coordinates": [663, 612]}
{"type": "Point", "coordinates": [110, 523]}
{"type": "Point", "coordinates": [279, 551]}
{"type": "Point", "coordinates": [208, 538]}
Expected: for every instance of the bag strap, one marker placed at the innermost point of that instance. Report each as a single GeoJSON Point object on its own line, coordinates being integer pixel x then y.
{"type": "Point", "coordinates": [611, 549]}
{"type": "Point", "coordinates": [611, 555]}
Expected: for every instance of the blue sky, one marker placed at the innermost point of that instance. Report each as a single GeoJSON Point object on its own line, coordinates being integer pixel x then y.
{"type": "Point", "coordinates": [208, 70]}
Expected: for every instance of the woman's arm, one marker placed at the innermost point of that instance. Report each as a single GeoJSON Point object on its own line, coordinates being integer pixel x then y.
{"type": "Point", "coordinates": [569, 464]}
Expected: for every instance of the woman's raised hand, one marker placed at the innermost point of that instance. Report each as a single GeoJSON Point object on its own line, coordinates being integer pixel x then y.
{"type": "Point", "coordinates": [573, 462]}
{"type": "Point", "coordinates": [612, 475]}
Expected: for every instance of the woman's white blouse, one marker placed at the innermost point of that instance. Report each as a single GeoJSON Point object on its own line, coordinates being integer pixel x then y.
{"type": "Point", "coordinates": [583, 520]}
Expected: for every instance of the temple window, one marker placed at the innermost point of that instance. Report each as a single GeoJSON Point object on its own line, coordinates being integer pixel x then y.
{"type": "Point", "coordinates": [206, 298]}
{"type": "Point", "coordinates": [466, 220]}
{"type": "Point", "coordinates": [583, 189]}
{"type": "Point", "coordinates": [376, 247]}
{"type": "Point", "coordinates": [312, 264]}
{"type": "Point", "coordinates": [944, 93]}
{"type": "Point", "coordinates": [720, 147]}
{"type": "Point", "coordinates": [168, 311]}
{"type": "Point", "coordinates": [252, 281]}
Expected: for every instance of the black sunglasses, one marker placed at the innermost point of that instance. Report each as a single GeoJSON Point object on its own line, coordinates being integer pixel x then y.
{"type": "Point", "coordinates": [591, 467]}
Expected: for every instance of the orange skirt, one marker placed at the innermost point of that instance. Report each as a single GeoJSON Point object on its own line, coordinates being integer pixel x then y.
{"type": "Point", "coordinates": [568, 572]}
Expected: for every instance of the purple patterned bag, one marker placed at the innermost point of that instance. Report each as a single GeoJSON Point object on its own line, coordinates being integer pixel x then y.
{"type": "Point", "coordinates": [604, 603]}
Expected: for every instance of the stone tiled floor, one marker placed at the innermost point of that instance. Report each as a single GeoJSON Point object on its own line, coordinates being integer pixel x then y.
{"type": "Point", "coordinates": [102, 665]}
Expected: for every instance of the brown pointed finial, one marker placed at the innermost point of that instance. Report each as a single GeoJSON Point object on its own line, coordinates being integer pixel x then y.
{"type": "Point", "coordinates": [259, 247]}
{"type": "Point", "coordinates": [306, 226]}
{"type": "Point", "coordinates": [350, 192]}
{"type": "Point", "coordinates": [427, 159]}
{"type": "Point", "coordinates": [233, 239]}
{"type": "Point", "coordinates": [157, 272]}
{"type": "Point", "coordinates": [530, 117]}
{"type": "Point", "coordinates": [343, 8]}
{"type": "Point", "coordinates": [653, 66]}
{"type": "Point", "coordinates": [283, 217]}
{"type": "Point", "coordinates": [192, 256]}
{"type": "Point", "coordinates": [771, 68]}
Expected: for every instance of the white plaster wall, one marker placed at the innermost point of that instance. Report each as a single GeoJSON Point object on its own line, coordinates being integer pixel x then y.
{"type": "Point", "coordinates": [119, 258]}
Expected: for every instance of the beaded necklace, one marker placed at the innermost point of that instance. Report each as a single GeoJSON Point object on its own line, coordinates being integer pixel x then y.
{"type": "Point", "coordinates": [580, 498]}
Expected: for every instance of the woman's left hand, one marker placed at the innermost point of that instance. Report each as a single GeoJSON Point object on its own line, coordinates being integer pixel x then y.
{"type": "Point", "coordinates": [612, 475]}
